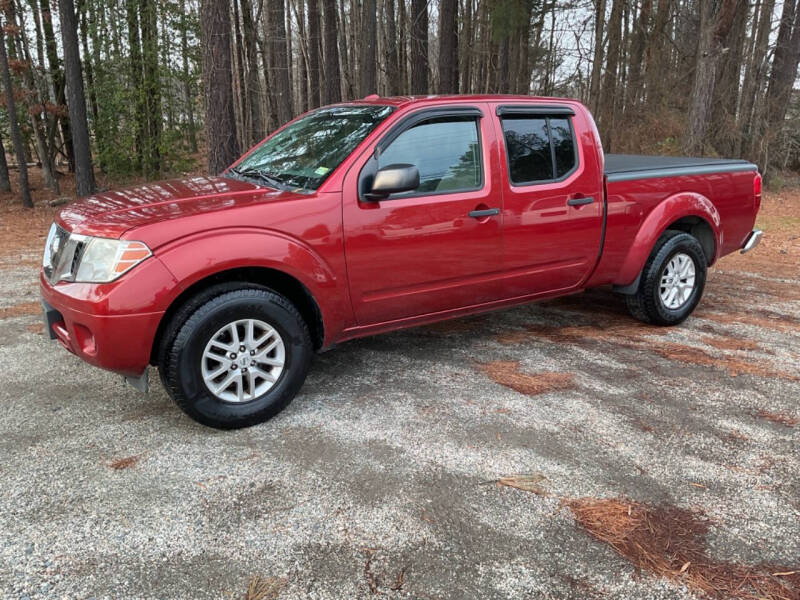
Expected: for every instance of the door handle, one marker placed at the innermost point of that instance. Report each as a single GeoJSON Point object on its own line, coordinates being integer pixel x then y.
{"type": "Point", "coordinates": [488, 212]}
{"type": "Point", "coordinates": [580, 201]}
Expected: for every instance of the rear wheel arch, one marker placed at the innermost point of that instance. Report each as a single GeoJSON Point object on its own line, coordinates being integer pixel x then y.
{"type": "Point", "coordinates": [687, 212]}
{"type": "Point", "coordinates": [228, 280]}
{"type": "Point", "coordinates": [701, 229]}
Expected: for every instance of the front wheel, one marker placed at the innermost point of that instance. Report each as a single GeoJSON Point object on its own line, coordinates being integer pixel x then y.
{"type": "Point", "coordinates": [238, 359]}
{"type": "Point", "coordinates": [672, 280]}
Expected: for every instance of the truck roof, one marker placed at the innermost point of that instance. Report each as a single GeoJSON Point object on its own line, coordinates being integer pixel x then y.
{"type": "Point", "coordinates": [455, 98]}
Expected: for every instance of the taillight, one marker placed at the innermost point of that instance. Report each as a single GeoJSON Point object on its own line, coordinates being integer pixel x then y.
{"type": "Point", "coordinates": [757, 190]}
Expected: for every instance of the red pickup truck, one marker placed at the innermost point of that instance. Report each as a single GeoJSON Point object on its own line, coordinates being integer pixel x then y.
{"type": "Point", "coordinates": [374, 215]}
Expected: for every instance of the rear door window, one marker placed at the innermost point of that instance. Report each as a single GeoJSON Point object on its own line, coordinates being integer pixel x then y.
{"type": "Point", "coordinates": [539, 148]}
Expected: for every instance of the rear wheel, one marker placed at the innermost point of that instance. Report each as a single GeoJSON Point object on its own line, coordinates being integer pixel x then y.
{"type": "Point", "coordinates": [672, 280]}
{"type": "Point", "coordinates": [238, 359]}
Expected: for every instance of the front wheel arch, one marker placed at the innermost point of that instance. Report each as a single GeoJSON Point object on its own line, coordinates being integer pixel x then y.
{"type": "Point", "coordinates": [261, 277]}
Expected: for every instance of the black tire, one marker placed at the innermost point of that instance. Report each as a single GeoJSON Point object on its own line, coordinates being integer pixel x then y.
{"type": "Point", "coordinates": [646, 304]}
{"type": "Point", "coordinates": [180, 361]}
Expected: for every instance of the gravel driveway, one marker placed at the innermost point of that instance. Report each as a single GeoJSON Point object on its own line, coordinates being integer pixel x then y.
{"type": "Point", "coordinates": [380, 478]}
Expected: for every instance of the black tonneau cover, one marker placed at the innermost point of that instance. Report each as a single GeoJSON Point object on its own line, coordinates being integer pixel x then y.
{"type": "Point", "coordinates": [623, 167]}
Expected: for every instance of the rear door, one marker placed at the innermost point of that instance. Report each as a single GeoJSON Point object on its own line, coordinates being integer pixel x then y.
{"type": "Point", "coordinates": [421, 252]}
{"type": "Point", "coordinates": [552, 198]}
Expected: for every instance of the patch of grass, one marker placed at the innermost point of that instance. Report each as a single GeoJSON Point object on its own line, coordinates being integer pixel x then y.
{"type": "Point", "coordinates": [671, 542]}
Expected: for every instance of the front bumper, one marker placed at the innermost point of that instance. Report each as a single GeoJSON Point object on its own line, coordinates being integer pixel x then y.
{"type": "Point", "coordinates": [752, 240]}
{"type": "Point", "coordinates": [111, 326]}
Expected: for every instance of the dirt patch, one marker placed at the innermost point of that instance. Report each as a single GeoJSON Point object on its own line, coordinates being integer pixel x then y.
{"type": "Point", "coordinates": [777, 322]}
{"type": "Point", "coordinates": [780, 419]}
{"type": "Point", "coordinates": [670, 542]}
{"type": "Point", "coordinates": [508, 373]}
{"type": "Point", "coordinates": [119, 464]}
{"type": "Point", "coordinates": [735, 366]}
{"type": "Point", "coordinates": [730, 343]}
{"type": "Point", "coordinates": [35, 328]}
{"type": "Point", "coordinates": [20, 310]}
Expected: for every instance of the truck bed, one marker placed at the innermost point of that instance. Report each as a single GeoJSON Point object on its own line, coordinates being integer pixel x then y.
{"type": "Point", "coordinates": [624, 167]}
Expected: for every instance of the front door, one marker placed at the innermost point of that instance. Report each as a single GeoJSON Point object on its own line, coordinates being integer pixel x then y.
{"type": "Point", "coordinates": [421, 252]}
{"type": "Point", "coordinates": [552, 199]}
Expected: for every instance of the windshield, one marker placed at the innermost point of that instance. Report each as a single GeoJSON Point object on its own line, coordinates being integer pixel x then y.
{"type": "Point", "coordinates": [306, 152]}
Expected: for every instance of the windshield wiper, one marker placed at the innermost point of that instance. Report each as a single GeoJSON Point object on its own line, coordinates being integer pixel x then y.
{"type": "Point", "coordinates": [259, 176]}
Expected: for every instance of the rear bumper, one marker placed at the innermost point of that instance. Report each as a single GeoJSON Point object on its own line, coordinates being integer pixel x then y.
{"type": "Point", "coordinates": [752, 240]}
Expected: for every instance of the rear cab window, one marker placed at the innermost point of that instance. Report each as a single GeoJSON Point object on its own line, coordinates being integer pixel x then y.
{"type": "Point", "coordinates": [540, 147]}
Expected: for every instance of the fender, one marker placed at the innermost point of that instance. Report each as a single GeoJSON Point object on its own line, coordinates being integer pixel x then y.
{"type": "Point", "coordinates": [230, 248]}
{"type": "Point", "coordinates": [673, 208]}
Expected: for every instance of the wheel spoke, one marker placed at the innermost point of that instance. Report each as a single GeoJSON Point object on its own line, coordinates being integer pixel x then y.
{"type": "Point", "coordinates": [225, 382]}
{"type": "Point", "coordinates": [249, 332]}
{"type": "Point", "coordinates": [218, 372]}
{"type": "Point", "coordinates": [217, 344]}
{"type": "Point", "coordinates": [268, 334]}
{"type": "Point", "coordinates": [266, 375]}
{"type": "Point", "coordinates": [240, 388]}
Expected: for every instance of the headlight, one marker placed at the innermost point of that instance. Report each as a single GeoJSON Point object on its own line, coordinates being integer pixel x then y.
{"type": "Point", "coordinates": [85, 259]}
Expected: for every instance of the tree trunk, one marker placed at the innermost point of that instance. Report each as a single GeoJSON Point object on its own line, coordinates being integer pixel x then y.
{"type": "Point", "coordinates": [76, 100]}
{"type": "Point", "coordinates": [638, 44]}
{"type": "Point", "coordinates": [151, 87]}
{"type": "Point", "coordinates": [597, 64]}
{"type": "Point", "coordinates": [278, 61]}
{"type": "Point", "coordinates": [5, 182]}
{"type": "Point", "coordinates": [448, 47]}
{"type": "Point", "coordinates": [608, 92]}
{"type": "Point", "coordinates": [724, 132]}
{"type": "Point", "coordinates": [223, 148]}
{"type": "Point", "coordinates": [38, 124]}
{"type": "Point", "coordinates": [419, 47]}
{"type": "Point", "coordinates": [187, 82]}
{"type": "Point", "coordinates": [657, 55]}
{"type": "Point", "coordinates": [333, 91]}
{"type": "Point", "coordinates": [140, 116]}
{"type": "Point", "coordinates": [253, 86]}
{"type": "Point", "coordinates": [393, 71]}
{"type": "Point", "coordinates": [714, 28]}
{"type": "Point", "coordinates": [754, 77]}
{"type": "Point", "coordinates": [57, 75]}
{"type": "Point", "coordinates": [16, 134]}
{"type": "Point", "coordinates": [782, 76]}
{"type": "Point", "coordinates": [368, 48]}
{"type": "Point", "coordinates": [314, 47]}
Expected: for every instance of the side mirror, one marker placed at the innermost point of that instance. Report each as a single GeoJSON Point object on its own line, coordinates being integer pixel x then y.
{"type": "Point", "coordinates": [393, 179]}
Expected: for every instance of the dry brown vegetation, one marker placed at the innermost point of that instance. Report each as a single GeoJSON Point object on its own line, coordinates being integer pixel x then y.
{"type": "Point", "coordinates": [670, 542]}
{"type": "Point", "coordinates": [735, 366]}
{"type": "Point", "coordinates": [20, 310]}
{"type": "Point", "coordinates": [508, 373]}
{"type": "Point", "coordinates": [730, 343]}
{"type": "Point", "coordinates": [264, 588]}
{"type": "Point", "coordinates": [118, 464]}
{"type": "Point", "coordinates": [526, 483]}
{"type": "Point", "coordinates": [778, 418]}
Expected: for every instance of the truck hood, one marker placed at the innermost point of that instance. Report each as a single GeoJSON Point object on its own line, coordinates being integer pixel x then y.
{"type": "Point", "coordinates": [110, 214]}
